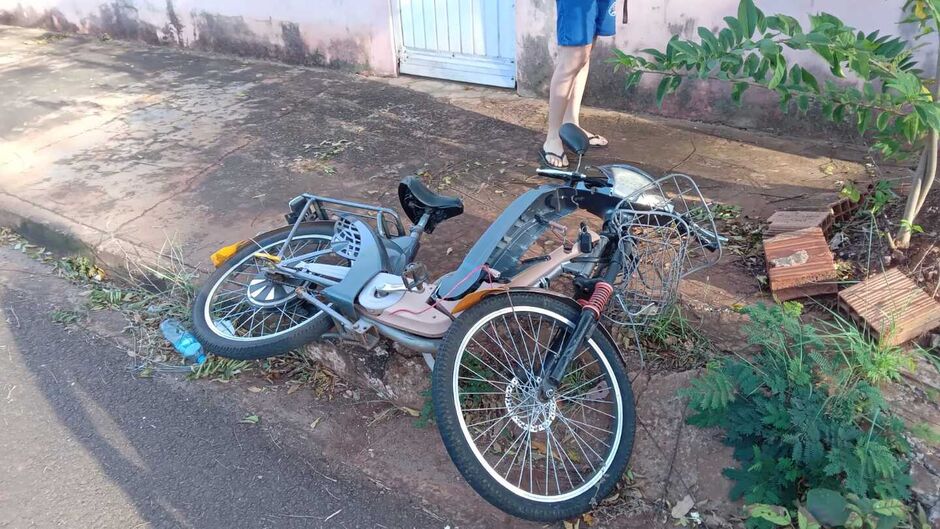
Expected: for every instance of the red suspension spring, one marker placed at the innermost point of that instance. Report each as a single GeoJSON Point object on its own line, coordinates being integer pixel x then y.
{"type": "Point", "coordinates": [599, 299]}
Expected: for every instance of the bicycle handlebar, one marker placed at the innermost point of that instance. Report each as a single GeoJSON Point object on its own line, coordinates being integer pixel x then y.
{"type": "Point", "coordinates": [572, 177]}
{"type": "Point", "coordinates": [710, 240]}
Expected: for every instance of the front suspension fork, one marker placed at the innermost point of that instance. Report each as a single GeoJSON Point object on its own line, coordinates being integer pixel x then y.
{"type": "Point", "coordinates": [557, 365]}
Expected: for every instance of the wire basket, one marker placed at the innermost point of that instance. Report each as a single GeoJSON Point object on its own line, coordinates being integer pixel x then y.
{"type": "Point", "coordinates": [667, 231]}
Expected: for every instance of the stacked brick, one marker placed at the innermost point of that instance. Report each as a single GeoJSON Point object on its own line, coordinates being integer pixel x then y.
{"type": "Point", "coordinates": [800, 264]}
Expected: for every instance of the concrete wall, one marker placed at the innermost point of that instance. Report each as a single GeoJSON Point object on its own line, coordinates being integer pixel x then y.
{"type": "Point", "coordinates": [650, 25]}
{"type": "Point", "coordinates": [355, 34]}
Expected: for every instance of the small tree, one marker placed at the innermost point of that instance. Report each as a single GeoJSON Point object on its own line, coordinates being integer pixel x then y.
{"type": "Point", "coordinates": [890, 102]}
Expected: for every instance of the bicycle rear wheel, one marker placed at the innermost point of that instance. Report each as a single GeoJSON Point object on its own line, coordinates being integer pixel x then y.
{"type": "Point", "coordinates": [539, 459]}
{"type": "Point", "coordinates": [244, 313]}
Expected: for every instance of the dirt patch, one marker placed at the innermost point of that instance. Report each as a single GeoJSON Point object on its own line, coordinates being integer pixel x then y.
{"type": "Point", "coordinates": [672, 459]}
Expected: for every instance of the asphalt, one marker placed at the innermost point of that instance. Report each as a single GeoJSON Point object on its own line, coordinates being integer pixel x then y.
{"type": "Point", "coordinates": [85, 444]}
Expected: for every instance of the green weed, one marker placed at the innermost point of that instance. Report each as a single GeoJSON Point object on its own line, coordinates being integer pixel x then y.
{"type": "Point", "coordinates": [927, 433]}
{"type": "Point", "coordinates": [426, 415]}
{"type": "Point", "coordinates": [79, 269]}
{"type": "Point", "coordinates": [873, 360]}
{"type": "Point", "coordinates": [113, 298]}
{"type": "Point", "coordinates": [880, 196]}
{"type": "Point", "coordinates": [725, 211]}
{"type": "Point", "coordinates": [219, 369]}
{"type": "Point", "coordinates": [65, 317]}
{"type": "Point", "coordinates": [673, 341]}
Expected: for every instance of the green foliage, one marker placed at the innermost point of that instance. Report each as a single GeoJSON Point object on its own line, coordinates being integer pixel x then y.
{"type": "Point", "coordinates": [881, 195]}
{"type": "Point", "coordinates": [218, 368]}
{"type": "Point", "coordinates": [108, 297]}
{"type": "Point", "coordinates": [891, 101]}
{"type": "Point", "coordinates": [426, 415]}
{"type": "Point", "coordinates": [65, 317]}
{"type": "Point", "coordinates": [828, 508]}
{"type": "Point", "coordinates": [772, 513]}
{"type": "Point", "coordinates": [673, 340]}
{"type": "Point", "coordinates": [911, 227]}
{"type": "Point", "coordinates": [851, 192]}
{"type": "Point", "coordinates": [79, 268]}
{"type": "Point", "coordinates": [798, 419]}
{"type": "Point", "coordinates": [927, 433]}
{"type": "Point", "coordinates": [876, 361]}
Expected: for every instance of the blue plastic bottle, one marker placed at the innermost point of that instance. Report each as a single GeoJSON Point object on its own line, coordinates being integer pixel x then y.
{"type": "Point", "coordinates": [183, 341]}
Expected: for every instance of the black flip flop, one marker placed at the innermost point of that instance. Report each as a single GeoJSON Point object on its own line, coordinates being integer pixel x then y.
{"type": "Point", "coordinates": [543, 155]}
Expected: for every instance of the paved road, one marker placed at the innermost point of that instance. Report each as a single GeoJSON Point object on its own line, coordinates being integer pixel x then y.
{"type": "Point", "coordinates": [84, 444]}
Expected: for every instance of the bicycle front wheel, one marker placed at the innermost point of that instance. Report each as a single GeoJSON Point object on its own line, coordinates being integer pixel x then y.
{"type": "Point", "coordinates": [539, 459]}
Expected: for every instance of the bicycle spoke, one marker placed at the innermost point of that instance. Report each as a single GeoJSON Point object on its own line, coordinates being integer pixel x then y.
{"type": "Point", "coordinates": [279, 312]}
{"type": "Point", "coordinates": [505, 418]}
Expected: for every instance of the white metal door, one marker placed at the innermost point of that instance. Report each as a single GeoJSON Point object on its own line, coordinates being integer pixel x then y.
{"type": "Point", "coordinates": [462, 40]}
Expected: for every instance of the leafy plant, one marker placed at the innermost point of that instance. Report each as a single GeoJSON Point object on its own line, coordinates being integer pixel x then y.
{"type": "Point", "coordinates": [880, 196]}
{"type": "Point", "coordinates": [79, 268]}
{"type": "Point", "coordinates": [889, 101]}
{"type": "Point", "coordinates": [219, 369]}
{"type": "Point", "coordinates": [797, 419]}
{"type": "Point", "coordinates": [876, 361]}
{"type": "Point", "coordinates": [65, 317]}
{"type": "Point", "coordinates": [927, 433]}
{"type": "Point", "coordinates": [426, 414]}
{"type": "Point", "coordinates": [828, 508]}
{"type": "Point", "coordinates": [672, 340]}
{"type": "Point", "coordinates": [108, 297]}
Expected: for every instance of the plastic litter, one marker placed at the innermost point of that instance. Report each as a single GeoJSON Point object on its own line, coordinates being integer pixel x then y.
{"type": "Point", "coordinates": [183, 341]}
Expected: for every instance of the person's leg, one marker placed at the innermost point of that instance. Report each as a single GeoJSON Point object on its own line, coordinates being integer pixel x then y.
{"type": "Point", "coordinates": [605, 25]}
{"type": "Point", "coordinates": [569, 63]}
{"type": "Point", "coordinates": [573, 112]}
{"type": "Point", "coordinates": [575, 23]}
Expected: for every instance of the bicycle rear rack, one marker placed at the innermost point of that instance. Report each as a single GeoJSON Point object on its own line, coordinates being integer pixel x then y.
{"type": "Point", "coordinates": [309, 207]}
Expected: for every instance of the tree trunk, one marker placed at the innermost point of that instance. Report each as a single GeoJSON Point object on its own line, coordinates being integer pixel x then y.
{"type": "Point", "coordinates": [923, 177]}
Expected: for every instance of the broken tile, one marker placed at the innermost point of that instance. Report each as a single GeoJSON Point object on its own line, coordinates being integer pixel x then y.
{"type": "Point", "coordinates": [800, 264]}
{"type": "Point", "coordinates": [893, 307]}
{"type": "Point", "coordinates": [784, 221]}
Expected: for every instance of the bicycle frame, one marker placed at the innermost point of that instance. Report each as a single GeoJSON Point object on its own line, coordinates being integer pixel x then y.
{"type": "Point", "coordinates": [423, 313]}
{"type": "Point", "coordinates": [419, 314]}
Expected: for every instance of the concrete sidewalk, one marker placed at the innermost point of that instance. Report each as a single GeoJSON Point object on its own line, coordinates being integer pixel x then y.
{"type": "Point", "coordinates": [121, 147]}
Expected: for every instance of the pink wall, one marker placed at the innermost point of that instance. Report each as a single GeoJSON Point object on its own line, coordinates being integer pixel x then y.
{"type": "Point", "coordinates": [651, 23]}
{"type": "Point", "coordinates": [356, 33]}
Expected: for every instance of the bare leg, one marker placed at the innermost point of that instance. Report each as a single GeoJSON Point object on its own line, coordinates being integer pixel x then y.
{"type": "Point", "coordinates": [570, 61]}
{"type": "Point", "coordinates": [573, 112]}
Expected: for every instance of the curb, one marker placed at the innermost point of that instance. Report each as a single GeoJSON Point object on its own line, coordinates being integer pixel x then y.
{"type": "Point", "coordinates": [67, 237]}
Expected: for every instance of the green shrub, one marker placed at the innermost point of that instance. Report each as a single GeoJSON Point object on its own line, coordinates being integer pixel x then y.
{"type": "Point", "coordinates": [830, 509]}
{"type": "Point", "coordinates": [876, 361]}
{"type": "Point", "coordinates": [798, 420]}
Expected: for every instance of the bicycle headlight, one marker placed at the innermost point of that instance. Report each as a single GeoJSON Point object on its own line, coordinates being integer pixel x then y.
{"type": "Point", "coordinates": [627, 181]}
{"type": "Point", "coordinates": [634, 184]}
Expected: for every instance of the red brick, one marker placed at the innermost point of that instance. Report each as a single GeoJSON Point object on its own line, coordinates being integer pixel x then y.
{"type": "Point", "coordinates": [784, 221]}
{"type": "Point", "coordinates": [800, 264]}
{"type": "Point", "coordinates": [892, 306]}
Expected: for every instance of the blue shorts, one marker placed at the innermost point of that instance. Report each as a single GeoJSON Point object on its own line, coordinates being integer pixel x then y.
{"type": "Point", "coordinates": [579, 21]}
